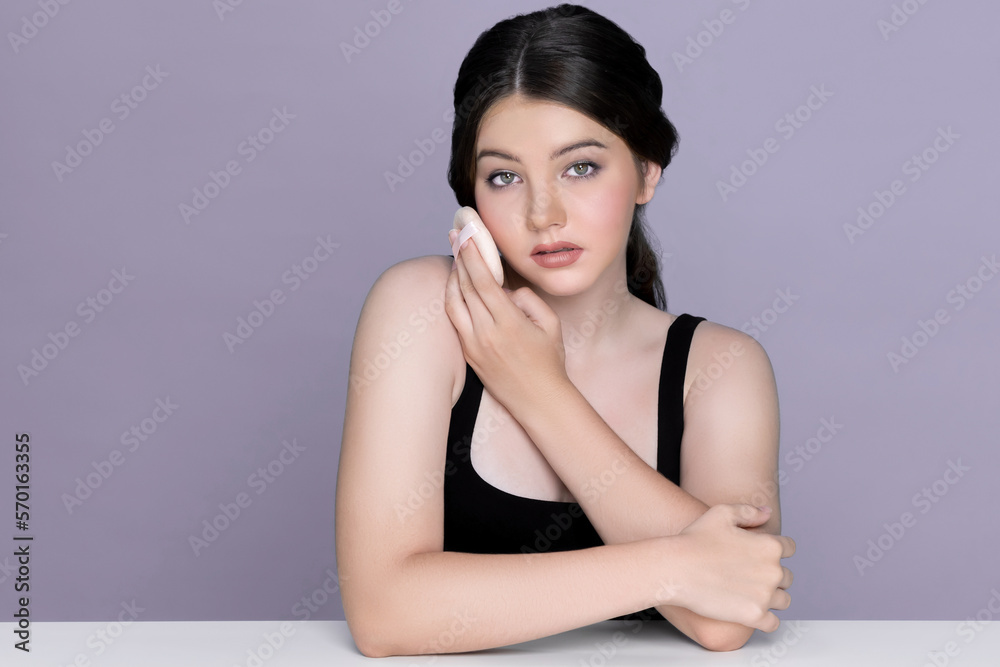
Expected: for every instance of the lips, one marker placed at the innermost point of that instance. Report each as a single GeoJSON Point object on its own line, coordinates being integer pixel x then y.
{"type": "Point", "coordinates": [554, 247]}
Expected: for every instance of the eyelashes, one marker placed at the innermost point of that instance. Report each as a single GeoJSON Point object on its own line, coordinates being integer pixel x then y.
{"type": "Point", "coordinates": [495, 186]}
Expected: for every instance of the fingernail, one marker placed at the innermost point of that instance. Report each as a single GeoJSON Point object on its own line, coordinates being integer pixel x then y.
{"type": "Point", "coordinates": [765, 508]}
{"type": "Point", "coordinates": [464, 237]}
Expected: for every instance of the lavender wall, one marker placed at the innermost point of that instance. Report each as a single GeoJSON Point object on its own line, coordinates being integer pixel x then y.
{"type": "Point", "coordinates": [130, 287]}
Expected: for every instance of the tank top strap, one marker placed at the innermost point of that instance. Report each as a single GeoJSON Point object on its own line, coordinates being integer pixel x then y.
{"type": "Point", "coordinates": [458, 461]}
{"type": "Point", "coordinates": [670, 424]}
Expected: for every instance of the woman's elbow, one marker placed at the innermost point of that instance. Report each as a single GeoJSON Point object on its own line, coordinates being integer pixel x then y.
{"type": "Point", "coordinates": [373, 642]}
{"type": "Point", "coordinates": [374, 650]}
{"type": "Point", "coordinates": [373, 627]}
{"type": "Point", "coordinates": [368, 649]}
{"type": "Point", "coordinates": [723, 637]}
{"type": "Point", "coordinates": [381, 630]}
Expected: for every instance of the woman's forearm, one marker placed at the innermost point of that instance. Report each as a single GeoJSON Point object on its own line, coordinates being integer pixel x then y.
{"type": "Point", "coordinates": [609, 481]}
{"type": "Point", "coordinates": [605, 476]}
{"type": "Point", "coordinates": [444, 602]}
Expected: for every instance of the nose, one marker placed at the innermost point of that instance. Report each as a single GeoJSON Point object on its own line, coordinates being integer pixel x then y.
{"type": "Point", "coordinates": [544, 210]}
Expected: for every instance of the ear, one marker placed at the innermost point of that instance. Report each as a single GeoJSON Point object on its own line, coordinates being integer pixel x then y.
{"type": "Point", "coordinates": [650, 178]}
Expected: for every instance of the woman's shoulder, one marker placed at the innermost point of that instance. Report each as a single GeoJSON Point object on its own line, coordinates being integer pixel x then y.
{"type": "Point", "coordinates": [723, 356]}
{"type": "Point", "coordinates": [421, 272]}
{"type": "Point", "coordinates": [412, 291]}
{"type": "Point", "coordinates": [412, 283]}
{"type": "Point", "coordinates": [708, 337]}
{"type": "Point", "coordinates": [405, 310]}
{"type": "Point", "coordinates": [712, 337]}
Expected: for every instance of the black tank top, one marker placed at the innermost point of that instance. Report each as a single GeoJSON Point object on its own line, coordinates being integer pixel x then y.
{"type": "Point", "coordinates": [480, 518]}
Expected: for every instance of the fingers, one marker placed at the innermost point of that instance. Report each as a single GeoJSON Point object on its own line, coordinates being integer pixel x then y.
{"type": "Point", "coordinates": [787, 546]}
{"type": "Point", "coordinates": [454, 305]}
{"type": "Point", "coordinates": [475, 278]}
{"type": "Point", "coordinates": [535, 308]}
{"type": "Point", "coordinates": [780, 600]}
{"type": "Point", "coordinates": [748, 516]}
{"type": "Point", "coordinates": [769, 623]}
{"type": "Point", "coordinates": [786, 578]}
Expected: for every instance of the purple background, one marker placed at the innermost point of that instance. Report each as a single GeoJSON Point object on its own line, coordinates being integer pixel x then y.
{"type": "Point", "coordinates": [323, 175]}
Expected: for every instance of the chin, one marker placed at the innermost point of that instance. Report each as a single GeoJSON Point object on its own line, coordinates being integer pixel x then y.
{"type": "Point", "coordinates": [562, 285]}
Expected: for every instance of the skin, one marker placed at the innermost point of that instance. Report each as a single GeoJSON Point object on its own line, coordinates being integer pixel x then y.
{"type": "Point", "coordinates": [538, 199]}
{"type": "Point", "coordinates": [567, 412]}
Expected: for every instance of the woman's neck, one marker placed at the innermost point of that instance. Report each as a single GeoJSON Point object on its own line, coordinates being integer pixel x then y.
{"type": "Point", "coordinates": [594, 323]}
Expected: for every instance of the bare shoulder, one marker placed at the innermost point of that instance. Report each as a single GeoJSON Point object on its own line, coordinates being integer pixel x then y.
{"type": "Point", "coordinates": [726, 358]}
{"type": "Point", "coordinates": [428, 272]}
{"type": "Point", "coordinates": [405, 309]}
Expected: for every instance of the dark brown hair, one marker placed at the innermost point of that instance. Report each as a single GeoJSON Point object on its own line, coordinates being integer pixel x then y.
{"type": "Point", "coordinates": [575, 57]}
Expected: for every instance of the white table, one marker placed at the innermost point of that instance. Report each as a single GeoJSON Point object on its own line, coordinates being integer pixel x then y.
{"type": "Point", "coordinates": [328, 643]}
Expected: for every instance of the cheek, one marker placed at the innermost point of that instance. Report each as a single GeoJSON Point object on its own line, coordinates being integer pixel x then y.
{"type": "Point", "coordinates": [611, 206]}
{"type": "Point", "coordinates": [487, 204]}
{"type": "Point", "coordinates": [494, 214]}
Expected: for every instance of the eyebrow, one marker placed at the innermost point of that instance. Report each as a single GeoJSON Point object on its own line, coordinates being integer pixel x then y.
{"type": "Point", "coordinates": [561, 151]}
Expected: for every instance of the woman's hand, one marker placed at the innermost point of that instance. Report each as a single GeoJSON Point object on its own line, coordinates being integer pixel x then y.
{"type": "Point", "coordinates": [735, 574]}
{"type": "Point", "coordinates": [512, 340]}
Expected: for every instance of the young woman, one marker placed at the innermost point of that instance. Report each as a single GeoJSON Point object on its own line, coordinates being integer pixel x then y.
{"type": "Point", "coordinates": [560, 450]}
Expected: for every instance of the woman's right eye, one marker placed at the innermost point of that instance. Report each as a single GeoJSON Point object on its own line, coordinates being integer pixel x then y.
{"type": "Point", "coordinates": [505, 177]}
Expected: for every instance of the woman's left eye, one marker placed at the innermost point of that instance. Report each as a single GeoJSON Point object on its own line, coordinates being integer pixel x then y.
{"type": "Point", "coordinates": [575, 169]}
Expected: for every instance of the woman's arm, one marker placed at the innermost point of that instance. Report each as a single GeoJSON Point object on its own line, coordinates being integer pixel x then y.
{"type": "Point", "coordinates": [729, 455]}
{"type": "Point", "coordinates": [514, 342]}
{"type": "Point", "coordinates": [445, 602]}
{"type": "Point", "coordinates": [729, 451]}
{"type": "Point", "coordinates": [401, 593]}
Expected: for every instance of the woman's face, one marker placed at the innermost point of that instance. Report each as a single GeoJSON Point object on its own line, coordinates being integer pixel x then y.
{"type": "Point", "coordinates": [548, 174]}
